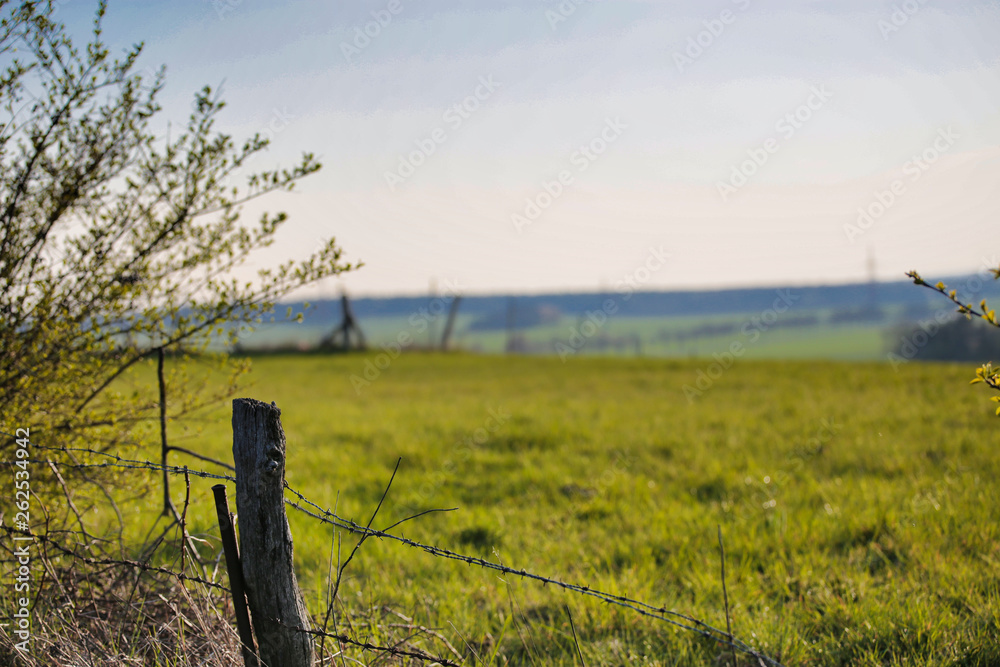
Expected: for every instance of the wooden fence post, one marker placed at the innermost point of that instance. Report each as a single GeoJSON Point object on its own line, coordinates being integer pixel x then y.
{"type": "Point", "coordinates": [276, 603]}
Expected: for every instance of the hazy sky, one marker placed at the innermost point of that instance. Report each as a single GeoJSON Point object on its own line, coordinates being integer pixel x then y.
{"type": "Point", "coordinates": [539, 145]}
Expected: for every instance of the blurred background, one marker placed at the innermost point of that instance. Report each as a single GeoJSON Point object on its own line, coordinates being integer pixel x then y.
{"type": "Point", "coordinates": [540, 158]}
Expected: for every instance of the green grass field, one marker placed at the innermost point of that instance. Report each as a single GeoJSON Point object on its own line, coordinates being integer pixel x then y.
{"type": "Point", "coordinates": [858, 504]}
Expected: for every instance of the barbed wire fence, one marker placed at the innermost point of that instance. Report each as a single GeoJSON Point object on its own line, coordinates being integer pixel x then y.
{"type": "Point", "coordinates": [723, 638]}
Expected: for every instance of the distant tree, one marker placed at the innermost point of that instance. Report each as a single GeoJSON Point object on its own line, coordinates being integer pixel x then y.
{"type": "Point", "coordinates": [986, 374]}
{"type": "Point", "coordinates": [941, 339]}
{"type": "Point", "coordinates": [115, 242]}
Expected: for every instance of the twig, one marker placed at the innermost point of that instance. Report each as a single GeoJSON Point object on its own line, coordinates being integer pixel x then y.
{"type": "Point", "coordinates": [512, 601]}
{"type": "Point", "coordinates": [187, 499]}
{"type": "Point", "coordinates": [430, 631]}
{"type": "Point", "coordinates": [576, 640]}
{"type": "Point", "coordinates": [69, 499]}
{"type": "Point", "coordinates": [366, 534]}
{"type": "Point", "coordinates": [418, 515]}
{"type": "Point", "coordinates": [686, 622]}
{"type": "Point", "coordinates": [140, 565]}
{"type": "Point", "coordinates": [335, 543]}
{"type": "Point", "coordinates": [168, 505]}
{"type": "Point", "coordinates": [173, 448]}
{"type": "Point", "coordinates": [725, 596]}
{"type": "Point", "coordinates": [966, 309]}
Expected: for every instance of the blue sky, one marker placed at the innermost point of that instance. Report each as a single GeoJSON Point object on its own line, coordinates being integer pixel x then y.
{"type": "Point", "coordinates": [740, 137]}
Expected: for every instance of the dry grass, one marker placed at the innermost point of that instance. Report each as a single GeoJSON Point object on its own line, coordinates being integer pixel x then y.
{"type": "Point", "coordinates": [97, 611]}
{"type": "Point", "coordinates": [113, 617]}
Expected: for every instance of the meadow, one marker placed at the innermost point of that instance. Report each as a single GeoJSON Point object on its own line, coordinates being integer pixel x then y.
{"type": "Point", "coordinates": [858, 504]}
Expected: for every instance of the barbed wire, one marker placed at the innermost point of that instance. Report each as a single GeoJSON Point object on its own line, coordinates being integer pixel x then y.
{"type": "Point", "coordinates": [145, 566]}
{"type": "Point", "coordinates": [124, 463]}
{"type": "Point", "coordinates": [660, 613]}
{"type": "Point", "coordinates": [645, 609]}
{"type": "Point", "coordinates": [394, 650]}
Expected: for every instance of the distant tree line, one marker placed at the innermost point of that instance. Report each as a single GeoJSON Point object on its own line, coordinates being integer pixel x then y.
{"type": "Point", "coordinates": [957, 340]}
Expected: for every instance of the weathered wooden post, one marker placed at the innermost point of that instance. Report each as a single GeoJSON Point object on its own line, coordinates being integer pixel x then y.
{"type": "Point", "coordinates": [276, 603]}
